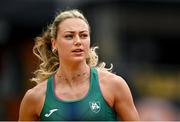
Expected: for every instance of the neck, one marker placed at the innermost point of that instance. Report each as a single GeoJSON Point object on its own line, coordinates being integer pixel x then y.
{"type": "Point", "coordinates": [73, 73]}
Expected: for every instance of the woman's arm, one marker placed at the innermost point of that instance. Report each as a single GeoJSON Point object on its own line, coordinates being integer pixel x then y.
{"type": "Point", "coordinates": [123, 101]}
{"type": "Point", "coordinates": [27, 108]}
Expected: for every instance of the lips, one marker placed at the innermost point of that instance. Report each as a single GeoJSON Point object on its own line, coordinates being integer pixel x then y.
{"type": "Point", "coordinates": [77, 50]}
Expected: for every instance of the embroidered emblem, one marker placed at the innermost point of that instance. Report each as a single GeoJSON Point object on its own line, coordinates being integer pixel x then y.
{"type": "Point", "coordinates": [95, 106]}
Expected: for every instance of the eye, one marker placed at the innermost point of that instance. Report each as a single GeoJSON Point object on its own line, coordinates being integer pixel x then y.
{"type": "Point", "coordinates": [84, 36]}
{"type": "Point", "coordinates": [69, 36]}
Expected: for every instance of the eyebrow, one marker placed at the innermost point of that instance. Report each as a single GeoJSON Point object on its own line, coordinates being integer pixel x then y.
{"type": "Point", "coordinates": [75, 31]}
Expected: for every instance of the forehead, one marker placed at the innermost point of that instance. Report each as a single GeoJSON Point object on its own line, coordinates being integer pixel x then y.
{"type": "Point", "coordinates": [73, 24]}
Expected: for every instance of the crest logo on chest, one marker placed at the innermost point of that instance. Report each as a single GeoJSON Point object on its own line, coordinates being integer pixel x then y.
{"type": "Point", "coordinates": [95, 106]}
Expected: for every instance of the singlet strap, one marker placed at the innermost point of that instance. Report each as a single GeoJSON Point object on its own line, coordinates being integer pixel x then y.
{"type": "Point", "coordinates": [50, 87]}
{"type": "Point", "coordinates": [95, 81]}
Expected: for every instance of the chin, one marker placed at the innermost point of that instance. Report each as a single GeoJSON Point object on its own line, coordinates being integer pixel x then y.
{"type": "Point", "coordinates": [78, 59]}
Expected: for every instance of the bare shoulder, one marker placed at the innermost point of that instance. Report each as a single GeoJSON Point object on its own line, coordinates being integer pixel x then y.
{"type": "Point", "coordinates": [115, 84]}
{"type": "Point", "coordinates": [112, 79]}
{"type": "Point", "coordinates": [117, 94]}
{"type": "Point", "coordinates": [36, 92]}
{"type": "Point", "coordinates": [32, 102]}
{"type": "Point", "coordinates": [112, 86]}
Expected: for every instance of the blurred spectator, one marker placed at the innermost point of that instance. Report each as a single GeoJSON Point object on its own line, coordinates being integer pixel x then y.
{"type": "Point", "coordinates": [156, 109]}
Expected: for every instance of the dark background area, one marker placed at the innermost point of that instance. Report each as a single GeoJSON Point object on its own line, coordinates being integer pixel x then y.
{"type": "Point", "coordinates": [141, 38]}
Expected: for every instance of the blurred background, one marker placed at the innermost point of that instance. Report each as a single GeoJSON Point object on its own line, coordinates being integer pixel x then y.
{"type": "Point", "coordinates": [140, 37]}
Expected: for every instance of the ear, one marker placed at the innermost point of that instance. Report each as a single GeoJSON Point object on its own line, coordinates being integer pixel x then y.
{"type": "Point", "coordinates": [53, 43]}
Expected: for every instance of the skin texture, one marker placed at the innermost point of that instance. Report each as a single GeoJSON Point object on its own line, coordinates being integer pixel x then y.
{"type": "Point", "coordinates": [74, 34]}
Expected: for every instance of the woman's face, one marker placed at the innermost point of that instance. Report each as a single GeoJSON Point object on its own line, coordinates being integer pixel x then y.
{"type": "Point", "coordinates": [73, 40]}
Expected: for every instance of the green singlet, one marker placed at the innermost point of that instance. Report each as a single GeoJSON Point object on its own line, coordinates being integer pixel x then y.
{"type": "Point", "coordinates": [91, 107]}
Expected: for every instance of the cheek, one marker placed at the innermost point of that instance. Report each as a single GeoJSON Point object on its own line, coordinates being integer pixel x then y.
{"type": "Point", "coordinates": [87, 44]}
{"type": "Point", "coordinates": [63, 48]}
{"type": "Point", "coordinates": [87, 47]}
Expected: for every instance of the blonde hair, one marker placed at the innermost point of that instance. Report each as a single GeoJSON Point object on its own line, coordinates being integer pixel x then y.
{"type": "Point", "coordinates": [43, 48]}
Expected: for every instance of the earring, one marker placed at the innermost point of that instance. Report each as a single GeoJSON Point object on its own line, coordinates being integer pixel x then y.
{"type": "Point", "coordinates": [54, 51]}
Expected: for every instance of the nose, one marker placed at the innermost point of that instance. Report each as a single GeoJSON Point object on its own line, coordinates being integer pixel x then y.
{"type": "Point", "coordinates": [77, 41]}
